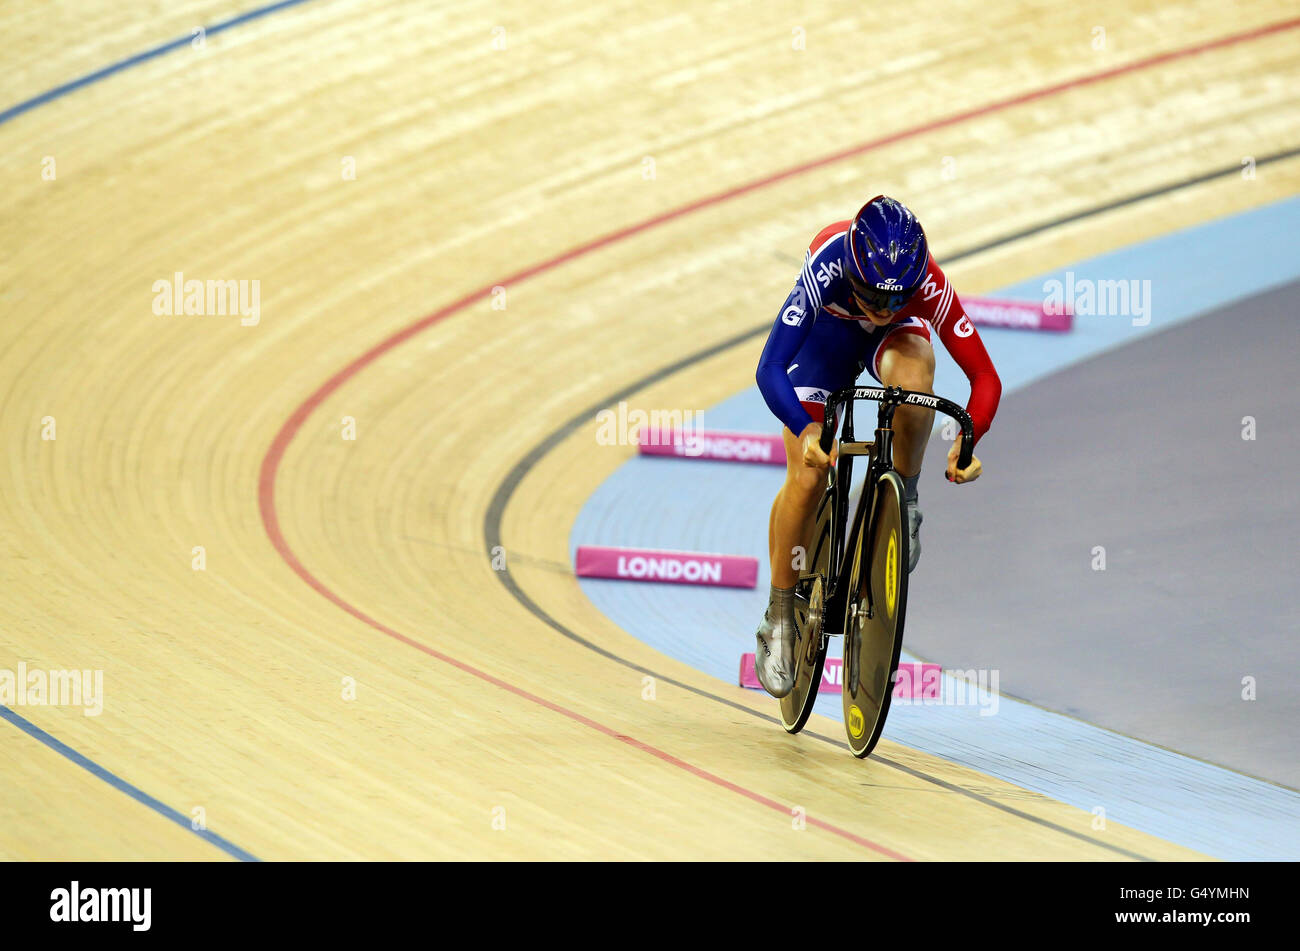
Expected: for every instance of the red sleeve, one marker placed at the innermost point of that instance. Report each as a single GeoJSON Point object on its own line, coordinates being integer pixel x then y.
{"type": "Point", "coordinates": [826, 234]}
{"type": "Point", "coordinates": [940, 306]}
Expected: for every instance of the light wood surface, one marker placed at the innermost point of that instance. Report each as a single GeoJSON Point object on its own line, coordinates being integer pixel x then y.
{"type": "Point", "coordinates": [225, 686]}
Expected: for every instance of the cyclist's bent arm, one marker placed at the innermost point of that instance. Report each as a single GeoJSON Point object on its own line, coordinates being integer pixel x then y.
{"type": "Point", "coordinates": [788, 334]}
{"type": "Point", "coordinates": [960, 339]}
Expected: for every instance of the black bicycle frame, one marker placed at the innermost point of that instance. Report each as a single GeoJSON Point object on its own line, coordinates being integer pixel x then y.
{"type": "Point", "coordinates": [880, 452]}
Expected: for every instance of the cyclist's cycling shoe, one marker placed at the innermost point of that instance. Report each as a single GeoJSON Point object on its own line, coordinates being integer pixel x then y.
{"type": "Point", "coordinates": [913, 534]}
{"type": "Point", "coordinates": [774, 658]}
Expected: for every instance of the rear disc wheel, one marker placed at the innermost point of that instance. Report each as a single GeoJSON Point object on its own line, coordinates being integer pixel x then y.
{"type": "Point", "coordinates": [810, 621]}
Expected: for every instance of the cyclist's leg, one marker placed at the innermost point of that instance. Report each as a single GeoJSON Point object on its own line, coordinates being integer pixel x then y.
{"type": "Point", "coordinates": [828, 360]}
{"type": "Point", "coordinates": [789, 527]}
{"type": "Point", "coordinates": [771, 528]}
{"type": "Point", "coordinates": [904, 358]}
{"type": "Point", "coordinates": [832, 357]}
{"type": "Point", "coordinates": [794, 506]}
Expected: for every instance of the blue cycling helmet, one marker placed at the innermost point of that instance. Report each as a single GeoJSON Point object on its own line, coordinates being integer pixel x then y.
{"type": "Point", "coordinates": [887, 254]}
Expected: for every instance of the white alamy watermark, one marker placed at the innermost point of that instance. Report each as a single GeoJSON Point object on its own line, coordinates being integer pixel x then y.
{"type": "Point", "coordinates": [53, 688]}
{"type": "Point", "coordinates": [129, 905]}
{"type": "Point", "coordinates": [1108, 298]}
{"type": "Point", "coordinates": [935, 686]}
{"type": "Point", "coordinates": [655, 427]}
{"type": "Point", "coordinates": [195, 298]}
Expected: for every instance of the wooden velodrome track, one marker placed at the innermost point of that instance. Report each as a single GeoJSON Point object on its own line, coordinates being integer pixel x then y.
{"type": "Point", "coordinates": [524, 167]}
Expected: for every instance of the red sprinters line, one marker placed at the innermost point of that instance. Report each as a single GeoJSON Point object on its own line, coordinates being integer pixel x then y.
{"type": "Point", "coordinates": [275, 454]}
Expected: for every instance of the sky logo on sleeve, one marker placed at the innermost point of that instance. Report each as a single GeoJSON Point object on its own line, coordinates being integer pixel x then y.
{"type": "Point", "coordinates": [828, 271]}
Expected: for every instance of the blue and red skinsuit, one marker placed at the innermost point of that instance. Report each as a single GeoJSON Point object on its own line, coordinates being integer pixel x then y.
{"type": "Point", "coordinates": [821, 341]}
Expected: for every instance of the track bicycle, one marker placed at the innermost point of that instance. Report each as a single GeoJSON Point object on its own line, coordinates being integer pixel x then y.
{"type": "Point", "coordinates": [855, 580]}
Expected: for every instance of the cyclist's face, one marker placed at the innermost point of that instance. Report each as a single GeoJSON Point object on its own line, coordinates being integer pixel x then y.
{"type": "Point", "coordinates": [878, 317]}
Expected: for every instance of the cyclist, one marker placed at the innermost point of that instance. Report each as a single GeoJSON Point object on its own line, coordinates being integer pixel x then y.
{"type": "Point", "coordinates": [868, 297]}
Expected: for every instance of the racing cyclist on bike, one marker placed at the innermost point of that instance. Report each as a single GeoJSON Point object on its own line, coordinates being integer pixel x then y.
{"type": "Point", "coordinates": [868, 297]}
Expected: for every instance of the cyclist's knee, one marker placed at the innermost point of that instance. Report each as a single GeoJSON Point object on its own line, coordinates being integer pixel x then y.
{"type": "Point", "coordinates": [908, 362]}
{"type": "Point", "coordinates": [917, 380]}
{"type": "Point", "coordinates": [913, 375]}
{"type": "Point", "coordinates": [804, 483]}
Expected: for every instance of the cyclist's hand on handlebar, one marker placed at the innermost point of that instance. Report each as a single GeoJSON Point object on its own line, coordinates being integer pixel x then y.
{"type": "Point", "coordinates": [970, 473]}
{"type": "Point", "coordinates": [813, 456]}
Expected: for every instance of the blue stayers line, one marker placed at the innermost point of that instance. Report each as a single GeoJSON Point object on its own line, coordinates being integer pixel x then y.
{"type": "Point", "coordinates": [59, 91]}
{"type": "Point", "coordinates": [116, 782]}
